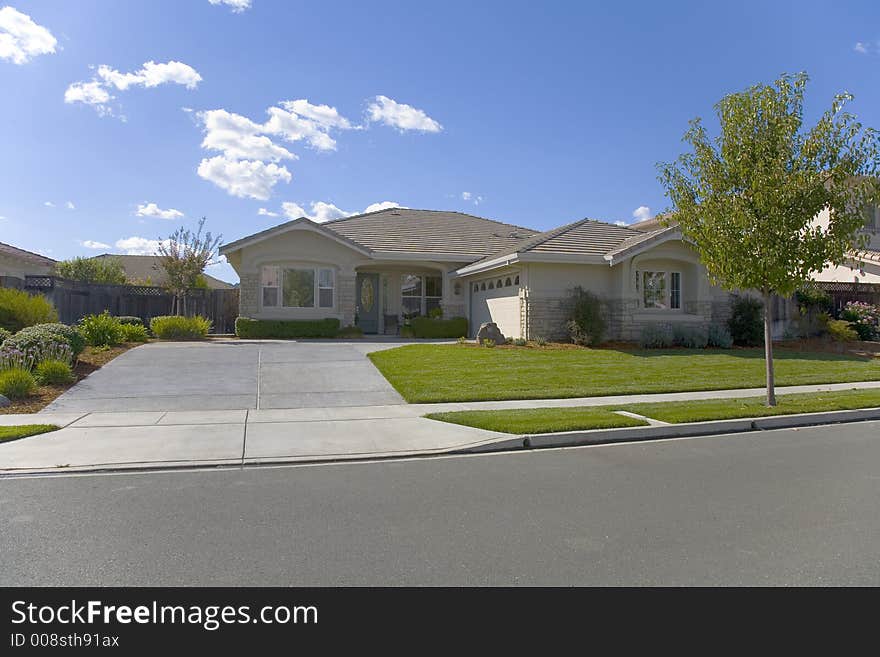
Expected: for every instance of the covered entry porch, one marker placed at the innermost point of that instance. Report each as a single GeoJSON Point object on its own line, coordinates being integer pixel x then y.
{"type": "Point", "coordinates": [388, 296]}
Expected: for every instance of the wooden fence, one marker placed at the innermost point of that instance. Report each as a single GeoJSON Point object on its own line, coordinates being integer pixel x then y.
{"type": "Point", "coordinates": [74, 300]}
{"type": "Point", "coordinates": [843, 293]}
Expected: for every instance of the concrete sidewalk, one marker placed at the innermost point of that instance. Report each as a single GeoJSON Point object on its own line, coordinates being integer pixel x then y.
{"type": "Point", "coordinates": [141, 439]}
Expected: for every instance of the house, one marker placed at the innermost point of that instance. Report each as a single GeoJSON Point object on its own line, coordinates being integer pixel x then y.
{"type": "Point", "coordinates": [147, 270]}
{"type": "Point", "coordinates": [863, 265]}
{"type": "Point", "coordinates": [17, 263]}
{"type": "Point", "coordinates": [379, 268]}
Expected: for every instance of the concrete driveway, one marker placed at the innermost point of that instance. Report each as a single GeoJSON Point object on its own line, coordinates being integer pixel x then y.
{"type": "Point", "coordinates": [233, 374]}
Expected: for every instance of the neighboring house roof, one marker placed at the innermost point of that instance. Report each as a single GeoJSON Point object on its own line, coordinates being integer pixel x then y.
{"type": "Point", "coordinates": [845, 274]}
{"type": "Point", "coordinates": [29, 256]}
{"type": "Point", "coordinates": [406, 231]}
{"type": "Point", "coordinates": [144, 267]}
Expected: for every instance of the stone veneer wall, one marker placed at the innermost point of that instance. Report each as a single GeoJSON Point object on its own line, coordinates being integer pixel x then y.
{"type": "Point", "coordinates": [248, 291]}
{"type": "Point", "coordinates": [546, 316]}
{"type": "Point", "coordinates": [451, 310]}
{"type": "Point", "coordinates": [345, 289]}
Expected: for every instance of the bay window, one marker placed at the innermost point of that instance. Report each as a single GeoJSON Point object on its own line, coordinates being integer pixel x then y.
{"type": "Point", "coordinates": [300, 287]}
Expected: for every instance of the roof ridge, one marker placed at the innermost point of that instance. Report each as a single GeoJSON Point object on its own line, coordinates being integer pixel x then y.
{"type": "Point", "coordinates": [464, 214]}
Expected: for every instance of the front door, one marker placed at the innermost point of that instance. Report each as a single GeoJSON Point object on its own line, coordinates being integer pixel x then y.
{"type": "Point", "coordinates": [368, 302]}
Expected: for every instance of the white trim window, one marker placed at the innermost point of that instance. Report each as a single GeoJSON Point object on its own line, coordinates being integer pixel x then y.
{"type": "Point", "coordinates": [420, 294]}
{"type": "Point", "coordinates": [297, 287]}
{"type": "Point", "coordinates": [660, 290]}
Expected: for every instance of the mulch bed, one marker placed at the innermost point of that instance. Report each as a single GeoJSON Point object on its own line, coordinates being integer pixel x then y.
{"type": "Point", "coordinates": [90, 359]}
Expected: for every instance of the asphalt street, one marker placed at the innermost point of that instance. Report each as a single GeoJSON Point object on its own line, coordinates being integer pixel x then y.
{"type": "Point", "coordinates": [786, 507]}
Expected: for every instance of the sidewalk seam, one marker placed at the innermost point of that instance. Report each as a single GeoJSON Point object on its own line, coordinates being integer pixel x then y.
{"type": "Point", "coordinates": [244, 436]}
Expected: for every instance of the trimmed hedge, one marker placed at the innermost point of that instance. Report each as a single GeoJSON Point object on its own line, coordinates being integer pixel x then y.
{"type": "Point", "coordinates": [130, 319]}
{"type": "Point", "coordinates": [177, 327]}
{"type": "Point", "coordinates": [425, 327]}
{"type": "Point", "coordinates": [245, 327]}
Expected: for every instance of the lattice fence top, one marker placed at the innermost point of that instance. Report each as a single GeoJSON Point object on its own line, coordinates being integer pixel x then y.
{"type": "Point", "coordinates": [39, 281]}
{"type": "Point", "coordinates": [845, 286]}
{"type": "Point", "coordinates": [50, 282]}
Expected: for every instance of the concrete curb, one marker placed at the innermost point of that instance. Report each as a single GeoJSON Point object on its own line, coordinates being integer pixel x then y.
{"type": "Point", "coordinates": [634, 434]}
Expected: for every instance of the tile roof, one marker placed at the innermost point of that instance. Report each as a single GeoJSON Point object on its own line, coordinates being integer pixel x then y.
{"type": "Point", "coordinates": [428, 231]}
{"type": "Point", "coordinates": [143, 267]}
{"type": "Point", "coordinates": [30, 256]}
{"type": "Point", "coordinates": [586, 237]}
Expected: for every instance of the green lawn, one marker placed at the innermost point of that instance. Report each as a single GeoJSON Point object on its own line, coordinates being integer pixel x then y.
{"type": "Point", "coordinates": [25, 430]}
{"type": "Point", "coordinates": [546, 420]}
{"type": "Point", "coordinates": [449, 373]}
{"type": "Point", "coordinates": [541, 420]}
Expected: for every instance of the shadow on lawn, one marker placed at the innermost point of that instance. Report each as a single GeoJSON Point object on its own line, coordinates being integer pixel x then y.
{"type": "Point", "coordinates": [748, 353]}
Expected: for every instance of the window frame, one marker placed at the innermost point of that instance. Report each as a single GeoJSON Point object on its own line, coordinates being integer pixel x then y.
{"type": "Point", "coordinates": [423, 296]}
{"type": "Point", "coordinates": [316, 287]}
{"type": "Point", "coordinates": [669, 276]}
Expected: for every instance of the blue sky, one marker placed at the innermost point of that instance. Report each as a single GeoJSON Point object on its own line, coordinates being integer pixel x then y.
{"type": "Point", "coordinates": [532, 113]}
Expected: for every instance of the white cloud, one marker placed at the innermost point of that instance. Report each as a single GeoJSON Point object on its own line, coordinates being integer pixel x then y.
{"type": "Point", "coordinates": [384, 205]}
{"type": "Point", "coordinates": [248, 164]}
{"type": "Point", "coordinates": [89, 93]}
{"type": "Point", "coordinates": [400, 116]}
{"type": "Point", "coordinates": [322, 211]}
{"type": "Point", "coordinates": [153, 210]}
{"type": "Point", "coordinates": [243, 178]}
{"type": "Point", "coordinates": [466, 196]}
{"type": "Point", "coordinates": [91, 244]}
{"type": "Point", "coordinates": [642, 213]}
{"type": "Point", "coordinates": [21, 38]}
{"type": "Point", "coordinates": [264, 212]}
{"type": "Point", "coordinates": [239, 138]}
{"type": "Point", "coordinates": [70, 206]}
{"type": "Point", "coordinates": [96, 92]}
{"type": "Point", "coordinates": [138, 245]}
{"type": "Point", "coordinates": [620, 223]}
{"type": "Point", "coordinates": [861, 48]}
{"type": "Point", "coordinates": [237, 6]}
{"type": "Point", "coordinates": [470, 196]}
{"type": "Point", "coordinates": [152, 75]}
{"type": "Point", "coordinates": [49, 204]}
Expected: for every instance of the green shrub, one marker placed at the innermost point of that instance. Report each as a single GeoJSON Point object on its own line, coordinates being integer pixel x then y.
{"type": "Point", "coordinates": [689, 337]}
{"type": "Point", "coordinates": [585, 324]}
{"type": "Point", "coordinates": [245, 327]}
{"type": "Point", "coordinates": [488, 342]}
{"type": "Point", "coordinates": [426, 327]}
{"type": "Point", "coordinates": [840, 330]}
{"type": "Point", "coordinates": [41, 342]}
{"type": "Point", "coordinates": [130, 319]}
{"type": "Point", "coordinates": [4, 334]}
{"type": "Point", "coordinates": [656, 336]}
{"type": "Point", "coordinates": [175, 327]}
{"type": "Point", "coordinates": [864, 319]}
{"type": "Point", "coordinates": [407, 331]}
{"type": "Point", "coordinates": [719, 337]}
{"type": "Point", "coordinates": [541, 341]}
{"type": "Point", "coordinates": [746, 322]}
{"type": "Point", "coordinates": [134, 333]}
{"type": "Point", "coordinates": [462, 340]}
{"type": "Point", "coordinates": [92, 270]}
{"type": "Point", "coordinates": [102, 330]}
{"type": "Point", "coordinates": [350, 332]}
{"type": "Point", "coordinates": [520, 342]}
{"type": "Point", "coordinates": [436, 313]}
{"type": "Point", "coordinates": [19, 309]}
{"type": "Point", "coordinates": [53, 372]}
{"type": "Point", "coordinates": [16, 383]}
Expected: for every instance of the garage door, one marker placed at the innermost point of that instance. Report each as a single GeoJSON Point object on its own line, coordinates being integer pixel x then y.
{"type": "Point", "coordinates": [496, 300]}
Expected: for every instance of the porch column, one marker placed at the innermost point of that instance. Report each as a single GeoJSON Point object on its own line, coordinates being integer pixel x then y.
{"type": "Point", "coordinates": [345, 283]}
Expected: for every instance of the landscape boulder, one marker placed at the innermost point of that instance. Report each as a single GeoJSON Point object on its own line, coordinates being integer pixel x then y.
{"type": "Point", "coordinates": [490, 331]}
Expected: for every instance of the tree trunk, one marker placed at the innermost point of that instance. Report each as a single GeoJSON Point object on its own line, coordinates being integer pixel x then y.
{"type": "Point", "coordinates": [768, 349]}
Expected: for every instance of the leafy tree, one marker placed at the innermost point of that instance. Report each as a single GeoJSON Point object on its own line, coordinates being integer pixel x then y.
{"type": "Point", "coordinates": [747, 198]}
{"type": "Point", "coordinates": [184, 256]}
{"type": "Point", "coordinates": [92, 270]}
